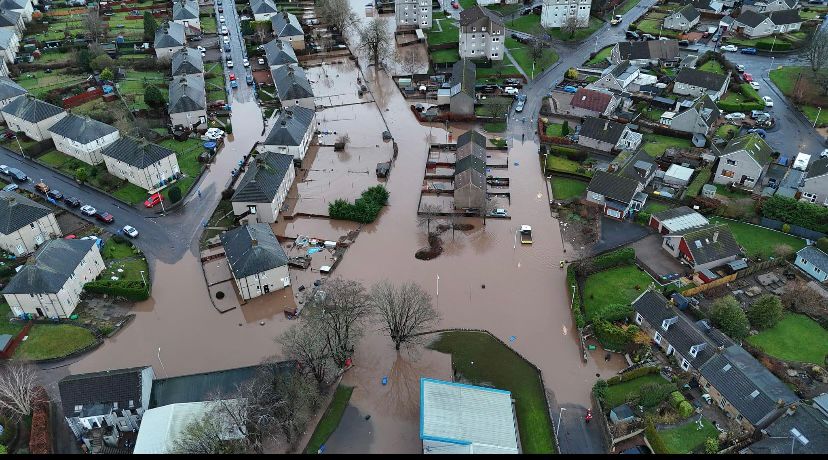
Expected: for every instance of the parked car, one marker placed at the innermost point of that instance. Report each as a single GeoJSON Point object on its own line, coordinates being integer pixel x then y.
{"type": "Point", "coordinates": [88, 210]}
{"type": "Point", "coordinates": [570, 89]}
{"type": "Point", "coordinates": [42, 187]}
{"type": "Point", "coordinates": [455, 5]}
{"type": "Point", "coordinates": [245, 62]}
{"type": "Point", "coordinates": [511, 91]}
{"type": "Point", "coordinates": [221, 19]}
{"type": "Point", "coordinates": [232, 76]}
{"type": "Point", "coordinates": [516, 82]}
{"type": "Point", "coordinates": [758, 113]}
{"type": "Point", "coordinates": [499, 212]}
{"type": "Point", "coordinates": [153, 200]}
{"type": "Point", "coordinates": [70, 237]}
{"type": "Point", "coordinates": [10, 188]}
{"type": "Point", "coordinates": [230, 63]}
{"type": "Point", "coordinates": [616, 20]}
{"type": "Point", "coordinates": [748, 50]}
{"type": "Point", "coordinates": [105, 217]}
{"type": "Point", "coordinates": [18, 175]}
{"type": "Point", "coordinates": [130, 231]}
{"type": "Point", "coordinates": [648, 37]}
{"type": "Point", "coordinates": [761, 132]}
{"type": "Point", "coordinates": [747, 77]}
{"type": "Point", "coordinates": [55, 195]}
{"type": "Point", "coordinates": [226, 47]}
{"type": "Point", "coordinates": [735, 116]}
{"type": "Point", "coordinates": [226, 40]}
{"type": "Point", "coordinates": [234, 84]}
{"type": "Point", "coordinates": [201, 48]}
{"type": "Point", "coordinates": [212, 134]}
{"type": "Point", "coordinates": [731, 48]}
{"type": "Point", "coordinates": [224, 30]}
{"type": "Point", "coordinates": [249, 80]}
{"type": "Point", "coordinates": [631, 35]}
{"type": "Point", "coordinates": [71, 201]}
{"type": "Point", "coordinates": [4, 169]}
{"type": "Point", "coordinates": [684, 43]}
{"type": "Point", "coordinates": [521, 101]}
{"type": "Point", "coordinates": [754, 85]}
{"type": "Point", "coordinates": [824, 154]}
{"type": "Point", "coordinates": [221, 9]}
{"type": "Point", "coordinates": [740, 68]}
{"type": "Point", "coordinates": [768, 101]}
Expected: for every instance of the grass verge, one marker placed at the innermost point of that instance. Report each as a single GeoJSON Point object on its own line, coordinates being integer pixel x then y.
{"type": "Point", "coordinates": [330, 420]}
{"type": "Point", "coordinates": [53, 340]}
{"type": "Point", "coordinates": [613, 286]}
{"type": "Point", "coordinates": [759, 241]}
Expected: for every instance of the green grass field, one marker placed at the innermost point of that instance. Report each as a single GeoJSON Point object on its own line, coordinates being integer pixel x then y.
{"type": "Point", "coordinates": [613, 286]}
{"type": "Point", "coordinates": [655, 144]}
{"type": "Point", "coordinates": [758, 241]}
{"type": "Point", "coordinates": [564, 188]}
{"type": "Point", "coordinates": [785, 79]}
{"type": "Point", "coordinates": [450, 33]}
{"type": "Point", "coordinates": [187, 153]}
{"type": "Point", "coordinates": [687, 438]}
{"type": "Point", "coordinates": [529, 24]}
{"type": "Point", "coordinates": [495, 365]}
{"type": "Point", "coordinates": [445, 56]}
{"type": "Point", "coordinates": [495, 127]}
{"type": "Point", "coordinates": [795, 338]}
{"type": "Point", "coordinates": [330, 420]}
{"type": "Point", "coordinates": [617, 394]}
{"type": "Point", "coordinates": [53, 340]}
{"type": "Point", "coordinates": [601, 57]}
{"type": "Point", "coordinates": [522, 55]}
{"type": "Point", "coordinates": [556, 163]}
{"type": "Point", "coordinates": [580, 34]}
{"type": "Point", "coordinates": [712, 66]}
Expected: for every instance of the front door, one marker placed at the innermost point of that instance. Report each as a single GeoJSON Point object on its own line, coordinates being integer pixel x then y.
{"type": "Point", "coordinates": [266, 288]}
{"type": "Point", "coordinates": [39, 312]}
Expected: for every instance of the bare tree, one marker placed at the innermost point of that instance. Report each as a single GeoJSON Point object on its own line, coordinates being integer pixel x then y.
{"type": "Point", "coordinates": [405, 312]}
{"type": "Point", "coordinates": [94, 26]}
{"type": "Point", "coordinates": [536, 50]}
{"type": "Point", "coordinates": [305, 343]}
{"type": "Point", "coordinates": [408, 62]}
{"type": "Point", "coordinates": [375, 41]}
{"type": "Point", "coordinates": [428, 212]}
{"type": "Point", "coordinates": [263, 30]}
{"type": "Point", "coordinates": [18, 383]}
{"type": "Point", "coordinates": [337, 13]}
{"type": "Point", "coordinates": [488, 207]}
{"type": "Point", "coordinates": [498, 66]}
{"type": "Point", "coordinates": [207, 435]}
{"type": "Point", "coordinates": [569, 25]}
{"type": "Point", "coordinates": [816, 52]}
{"type": "Point", "coordinates": [339, 313]}
{"type": "Point", "coordinates": [799, 297]}
{"type": "Point", "coordinates": [497, 107]}
{"type": "Point", "coordinates": [294, 399]}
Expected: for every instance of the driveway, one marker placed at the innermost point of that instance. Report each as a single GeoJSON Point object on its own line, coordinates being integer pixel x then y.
{"type": "Point", "coordinates": [656, 259]}
{"type": "Point", "coordinates": [575, 436]}
{"type": "Point", "coordinates": [617, 233]}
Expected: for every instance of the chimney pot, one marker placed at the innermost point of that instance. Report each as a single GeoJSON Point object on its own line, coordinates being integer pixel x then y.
{"type": "Point", "coordinates": [254, 242]}
{"type": "Point", "coordinates": [715, 236]}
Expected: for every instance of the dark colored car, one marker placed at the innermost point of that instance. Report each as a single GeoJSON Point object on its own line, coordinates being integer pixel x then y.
{"type": "Point", "coordinates": [221, 9]}
{"type": "Point", "coordinates": [18, 175]}
{"type": "Point", "coordinates": [227, 47]}
{"type": "Point", "coordinates": [71, 201]}
{"type": "Point", "coordinates": [517, 82]}
{"type": "Point", "coordinates": [748, 50]}
{"type": "Point", "coordinates": [105, 217]}
{"type": "Point", "coordinates": [632, 35]}
{"type": "Point", "coordinates": [249, 80]}
{"type": "Point", "coordinates": [55, 194]}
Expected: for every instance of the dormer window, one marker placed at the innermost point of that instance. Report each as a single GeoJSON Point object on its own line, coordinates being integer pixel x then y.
{"type": "Point", "coordinates": [667, 322]}
{"type": "Point", "coordinates": [638, 318]}
{"type": "Point", "coordinates": [685, 364]}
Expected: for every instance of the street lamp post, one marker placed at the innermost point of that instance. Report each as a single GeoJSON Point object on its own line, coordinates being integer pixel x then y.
{"type": "Point", "coordinates": [557, 428]}
{"type": "Point", "coordinates": [162, 363]}
{"type": "Point", "coordinates": [17, 138]}
{"type": "Point", "coordinates": [438, 291]}
{"type": "Point", "coordinates": [817, 117]}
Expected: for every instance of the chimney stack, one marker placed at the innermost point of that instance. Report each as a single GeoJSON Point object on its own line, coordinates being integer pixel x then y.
{"type": "Point", "coordinates": [715, 236]}
{"type": "Point", "coordinates": [253, 242]}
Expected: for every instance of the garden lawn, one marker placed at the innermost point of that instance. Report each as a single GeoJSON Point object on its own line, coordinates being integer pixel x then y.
{"type": "Point", "coordinates": [554, 129]}
{"type": "Point", "coordinates": [795, 338]}
{"type": "Point", "coordinates": [445, 56]}
{"type": "Point", "coordinates": [495, 127]}
{"type": "Point", "coordinates": [687, 438]}
{"type": "Point", "coordinates": [187, 153]}
{"type": "Point", "coordinates": [580, 34]}
{"type": "Point", "coordinates": [712, 66]}
{"type": "Point", "coordinates": [120, 255]}
{"type": "Point", "coordinates": [556, 163]}
{"type": "Point", "coordinates": [328, 423]}
{"type": "Point", "coordinates": [449, 33]}
{"type": "Point", "coordinates": [601, 57]}
{"type": "Point", "coordinates": [131, 193]}
{"type": "Point", "coordinates": [527, 24]}
{"type": "Point", "coordinates": [466, 4]}
{"type": "Point", "coordinates": [653, 207]}
{"type": "Point", "coordinates": [39, 83]}
{"type": "Point", "coordinates": [653, 27]}
{"type": "Point", "coordinates": [655, 144]}
{"type": "Point", "coordinates": [727, 131]}
{"type": "Point", "coordinates": [785, 79]}
{"type": "Point", "coordinates": [759, 241]}
{"type": "Point", "coordinates": [617, 394]}
{"type": "Point", "coordinates": [98, 176]}
{"type": "Point", "coordinates": [521, 54]}
{"type": "Point", "coordinates": [613, 286]}
{"type": "Point", "coordinates": [702, 176]}
{"type": "Point", "coordinates": [53, 340]}
{"type": "Point", "coordinates": [7, 327]}
{"type": "Point", "coordinates": [495, 365]}
{"type": "Point", "coordinates": [564, 188]}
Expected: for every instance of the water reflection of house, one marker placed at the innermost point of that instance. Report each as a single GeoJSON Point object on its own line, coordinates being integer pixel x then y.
{"type": "Point", "coordinates": [470, 171]}
{"type": "Point", "coordinates": [257, 260]}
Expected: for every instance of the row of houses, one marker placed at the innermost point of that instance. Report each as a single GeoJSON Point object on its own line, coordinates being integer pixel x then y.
{"type": "Point", "coordinates": [14, 15]}
{"type": "Point", "coordinates": [757, 18]}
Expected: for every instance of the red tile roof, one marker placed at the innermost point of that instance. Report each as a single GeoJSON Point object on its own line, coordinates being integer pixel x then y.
{"type": "Point", "coordinates": [589, 99]}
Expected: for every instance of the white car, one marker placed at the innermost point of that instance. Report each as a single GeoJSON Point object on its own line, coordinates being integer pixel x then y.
{"type": "Point", "coordinates": [221, 19]}
{"type": "Point", "coordinates": [824, 154]}
{"type": "Point", "coordinates": [88, 210]}
{"type": "Point", "coordinates": [212, 134]}
{"type": "Point", "coordinates": [245, 62]}
{"type": "Point", "coordinates": [768, 101]}
{"type": "Point", "coordinates": [735, 116]}
{"type": "Point", "coordinates": [261, 61]}
{"type": "Point", "coordinates": [4, 169]}
{"type": "Point", "coordinates": [226, 40]}
{"type": "Point", "coordinates": [10, 188]}
{"type": "Point", "coordinates": [499, 212]}
{"type": "Point", "coordinates": [229, 63]}
{"type": "Point", "coordinates": [740, 68]}
{"type": "Point", "coordinates": [201, 48]}
{"type": "Point", "coordinates": [731, 48]}
{"type": "Point", "coordinates": [754, 85]}
{"type": "Point", "coordinates": [511, 91]}
{"type": "Point", "coordinates": [130, 231]}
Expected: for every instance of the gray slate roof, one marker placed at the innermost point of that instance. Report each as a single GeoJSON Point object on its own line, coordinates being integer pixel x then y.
{"type": "Point", "coordinates": [262, 6]}
{"type": "Point", "coordinates": [50, 267]}
{"type": "Point", "coordinates": [97, 391]}
{"type": "Point", "coordinates": [613, 186]}
{"type": "Point", "coordinates": [639, 167]}
{"type": "Point", "coordinates": [471, 143]}
{"type": "Point", "coordinates": [17, 211]}
{"type": "Point", "coordinates": [169, 36]}
{"type": "Point", "coordinates": [291, 82]}
{"type": "Point", "coordinates": [808, 421]}
{"type": "Point", "coordinates": [672, 213]}
{"type": "Point", "coordinates": [753, 144]}
{"type": "Point", "coordinates": [814, 256]}
{"type": "Point", "coordinates": [185, 9]}
{"type": "Point", "coordinates": [187, 94]}
{"type": "Point", "coordinates": [31, 109]}
{"type": "Point", "coordinates": [9, 88]}
{"type": "Point", "coordinates": [290, 127]}
{"type": "Point", "coordinates": [602, 129]}
{"type": "Point", "coordinates": [784, 17]}
{"type": "Point", "coordinates": [817, 168]}
{"type": "Point", "coordinates": [6, 38]}
{"type": "Point", "coordinates": [187, 61]}
{"type": "Point", "coordinates": [746, 384]}
{"type": "Point", "coordinates": [278, 52]}
{"type": "Point", "coordinates": [689, 12]}
{"type": "Point", "coordinates": [649, 49]}
{"type": "Point", "coordinates": [252, 249]}
{"type": "Point", "coordinates": [286, 25]}
{"type": "Point", "coordinates": [81, 129]}
{"type": "Point", "coordinates": [138, 153]}
{"type": "Point", "coordinates": [479, 16]}
{"type": "Point", "coordinates": [263, 177]}
{"type": "Point", "coordinates": [751, 18]}
{"type": "Point", "coordinates": [464, 72]}
{"type": "Point", "coordinates": [704, 249]}
{"type": "Point", "coordinates": [700, 78]}
{"type": "Point", "coordinates": [9, 18]}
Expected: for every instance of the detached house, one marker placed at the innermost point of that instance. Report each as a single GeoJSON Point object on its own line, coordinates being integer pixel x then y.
{"type": "Point", "coordinates": [287, 28]}
{"type": "Point", "coordinates": [32, 117]}
{"type": "Point", "coordinates": [814, 188]}
{"type": "Point", "coordinates": [9, 91]}
{"type": "Point", "coordinates": [291, 133]}
{"type": "Point", "coordinates": [168, 39]}
{"type": "Point", "coordinates": [83, 138]}
{"type": "Point", "coordinates": [24, 224]}
{"type": "Point", "coordinates": [742, 161]}
{"type": "Point", "coordinates": [697, 118]}
{"type": "Point", "coordinates": [605, 135]}
{"type": "Point", "coordinates": [263, 10]}
{"type": "Point", "coordinates": [482, 34]}
{"type": "Point", "coordinates": [188, 101]}
{"type": "Point", "coordinates": [105, 404]}
{"type": "Point", "coordinates": [676, 220]}
{"type": "Point", "coordinates": [413, 14]}
{"type": "Point", "coordinates": [754, 25]}
{"type": "Point", "coordinates": [766, 6]}
{"type": "Point", "coordinates": [696, 83]}
{"type": "Point", "coordinates": [146, 165]}
{"type": "Point", "coordinates": [461, 87]}
{"type": "Point", "coordinates": [185, 12]}
{"type": "Point", "coordinates": [50, 285]}
{"type": "Point", "coordinates": [588, 102]}
{"type": "Point", "coordinates": [813, 262]}
{"type": "Point", "coordinates": [682, 19]}
{"type": "Point", "coordinates": [257, 260]}
{"type": "Point", "coordinates": [647, 52]}
{"type": "Point", "coordinates": [470, 172]}
{"type": "Point", "coordinates": [263, 188]}
{"type": "Point", "coordinates": [279, 53]}
{"type": "Point", "coordinates": [702, 247]}
{"type": "Point", "coordinates": [708, 6]}
{"type": "Point", "coordinates": [293, 86]}
{"type": "Point", "coordinates": [618, 196]}
{"type": "Point", "coordinates": [785, 21]}
{"type": "Point", "coordinates": [619, 78]}
{"type": "Point", "coordinates": [187, 61]}
{"type": "Point", "coordinates": [558, 13]}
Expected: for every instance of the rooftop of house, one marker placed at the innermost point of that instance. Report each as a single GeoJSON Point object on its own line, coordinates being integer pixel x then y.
{"type": "Point", "coordinates": [814, 256]}
{"type": "Point", "coordinates": [17, 211]}
{"type": "Point", "coordinates": [680, 219]}
{"type": "Point", "coordinates": [707, 80]}
{"type": "Point", "coordinates": [290, 126]}
{"type": "Point", "coordinates": [82, 130]}
{"type": "Point", "coordinates": [185, 9]}
{"type": "Point", "coordinates": [187, 61]}
{"type": "Point", "coordinates": [187, 94]}
{"type": "Point", "coordinates": [802, 429]}
{"type": "Point", "coordinates": [291, 82]}
{"type": "Point", "coordinates": [613, 186]}
{"type": "Point", "coordinates": [602, 129]}
{"type": "Point", "coordinates": [30, 109]}
{"type": "Point", "coordinates": [649, 49]}
{"type": "Point", "coordinates": [471, 143]}
{"type": "Point", "coordinates": [51, 266]}
{"type": "Point", "coordinates": [590, 99]}
{"type": "Point", "coordinates": [263, 177]}
{"type": "Point", "coordinates": [136, 152]}
{"type": "Point", "coordinates": [9, 88]}
{"type": "Point", "coordinates": [751, 18]}
{"type": "Point", "coordinates": [464, 73]}
{"type": "Point", "coordinates": [689, 12]}
{"type": "Point", "coordinates": [279, 52]}
{"type": "Point", "coordinates": [753, 144]}
{"type": "Point", "coordinates": [817, 168]}
{"type": "Point", "coordinates": [479, 16]}
{"type": "Point", "coordinates": [784, 17]}
{"type": "Point", "coordinates": [98, 393]}
{"type": "Point", "coordinates": [169, 35]}
{"type": "Point", "coordinates": [286, 25]}
{"type": "Point", "coordinates": [252, 249]}
{"type": "Point", "coordinates": [262, 6]}
{"type": "Point", "coordinates": [710, 243]}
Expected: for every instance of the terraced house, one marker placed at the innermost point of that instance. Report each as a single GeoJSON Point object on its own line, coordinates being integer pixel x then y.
{"type": "Point", "coordinates": [742, 161]}
{"type": "Point", "coordinates": [9, 45]}
{"type": "Point", "coordinates": [25, 224]}
{"type": "Point", "coordinates": [24, 8]}
{"type": "Point", "coordinates": [279, 53]}
{"type": "Point", "coordinates": [187, 61]}
{"type": "Point", "coordinates": [257, 260]}
{"type": "Point", "coordinates": [262, 190]}
{"type": "Point", "coordinates": [413, 14]}
{"type": "Point", "coordinates": [32, 117]}
{"type": "Point", "coordinates": [291, 133]}
{"type": "Point", "coordinates": [558, 13]}
{"type": "Point", "coordinates": [263, 10]}
{"type": "Point", "coordinates": [293, 86]}
{"type": "Point", "coordinates": [482, 34]}
{"type": "Point", "coordinates": [187, 101]}
{"type": "Point", "coordinates": [83, 138]}
{"type": "Point", "coordinates": [185, 12]}
{"type": "Point", "coordinates": [470, 172]}
{"type": "Point", "coordinates": [146, 165]}
{"type": "Point", "coordinates": [287, 28]}
{"type": "Point", "coordinates": [12, 20]}
{"type": "Point", "coordinates": [169, 39]}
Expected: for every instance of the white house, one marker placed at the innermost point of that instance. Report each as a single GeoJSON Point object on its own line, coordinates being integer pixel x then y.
{"type": "Point", "coordinates": [697, 83]}
{"type": "Point", "coordinates": [263, 10]}
{"type": "Point", "coordinates": [187, 104]}
{"type": "Point", "coordinates": [482, 35]}
{"type": "Point", "coordinates": [556, 13]}
{"type": "Point", "coordinates": [169, 39]}
{"type": "Point", "coordinates": [413, 14]}
{"type": "Point", "coordinates": [24, 224]}
{"type": "Point", "coordinates": [263, 188]}
{"type": "Point", "coordinates": [754, 25]}
{"type": "Point", "coordinates": [162, 427]}
{"type": "Point", "coordinates": [287, 28]}
{"type": "Point", "coordinates": [742, 161]}
{"type": "Point", "coordinates": [187, 61]}
{"type": "Point", "coordinates": [22, 7]}
{"type": "Point", "coordinates": [12, 20]}
{"type": "Point", "coordinates": [682, 19]}
{"type": "Point", "coordinates": [50, 285]}
{"type": "Point", "coordinates": [257, 260]}
{"type": "Point", "coordinates": [146, 165]}
{"type": "Point", "coordinates": [32, 117]}
{"type": "Point", "coordinates": [293, 86]}
{"type": "Point", "coordinates": [814, 262]}
{"type": "Point", "coordinates": [814, 187]}
{"type": "Point", "coordinates": [279, 53]}
{"type": "Point", "coordinates": [185, 12]}
{"type": "Point", "coordinates": [9, 44]}
{"type": "Point", "coordinates": [9, 91]}
{"type": "Point", "coordinates": [291, 133]}
{"type": "Point", "coordinates": [83, 138]}
{"type": "Point", "coordinates": [766, 6]}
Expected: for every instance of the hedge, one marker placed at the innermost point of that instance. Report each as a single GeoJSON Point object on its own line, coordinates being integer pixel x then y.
{"type": "Point", "coordinates": [130, 290]}
{"type": "Point", "coordinates": [612, 312]}
{"type": "Point", "coordinates": [676, 398]}
{"type": "Point", "coordinates": [800, 213]}
{"type": "Point", "coordinates": [568, 152]}
{"type": "Point", "coordinates": [577, 312]}
{"type": "Point", "coordinates": [654, 438]}
{"type": "Point", "coordinates": [748, 93]}
{"type": "Point", "coordinates": [633, 374]}
{"type": "Point", "coordinates": [613, 337]}
{"type": "Point", "coordinates": [778, 46]}
{"type": "Point", "coordinates": [624, 256]}
{"type": "Point", "coordinates": [364, 210]}
{"type": "Point", "coordinates": [685, 409]}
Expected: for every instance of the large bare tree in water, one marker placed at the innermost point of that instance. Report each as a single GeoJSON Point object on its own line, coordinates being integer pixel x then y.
{"type": "Point", "coordinates": [305, 343]}
{"type": "Point", "coordinates": [405, 312]}
{"type": "Point", "coordinates": [337, 13]}
{"type": "Point", "coordinates": [339, 314]}
{"type": "Point", "coordinates": [375, 41]}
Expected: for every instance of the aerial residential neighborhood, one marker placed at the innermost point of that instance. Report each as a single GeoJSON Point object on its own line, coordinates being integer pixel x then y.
{"type": "Point", "coordinates": [413, 227]}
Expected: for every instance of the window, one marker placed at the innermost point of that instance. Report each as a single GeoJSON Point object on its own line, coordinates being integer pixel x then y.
{"type": "Point", "coordinates": [685, 364]}
{"type": "Point", "coordinates": [638, 318]}
{"type": "Point", "coordinates": [731, 162]}
{"type": "Point", "coordinates": [739, 418]}
{"type": "Point", "coordinates": [657, 338]}
{"type": "Point", "coordinates": [474, 29]}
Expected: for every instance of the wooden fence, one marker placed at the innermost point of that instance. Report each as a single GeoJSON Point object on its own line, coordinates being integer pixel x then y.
{"type": "Point", "coordinates": [78, 99]}
{"type": "Point", "coordinates": [761, 266]}
{"type": "Point", "coordinates": [15, 342]}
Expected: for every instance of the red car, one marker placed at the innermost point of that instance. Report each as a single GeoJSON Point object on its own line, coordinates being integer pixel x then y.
{"type": "Point", "coordinates": [232, 76]}
{"type": "Point", "coordinates": [454, 4]}
{"type": "Point", "coordinates": [105, 217]}
{"type": "Point", "coordinates": [747, 77]}
{"type": "Point", "coordinates": [153, 200]}
{"type": "Point", "coordinates": [70, 237]}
